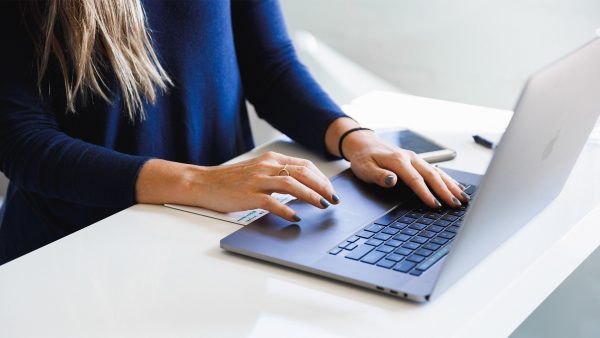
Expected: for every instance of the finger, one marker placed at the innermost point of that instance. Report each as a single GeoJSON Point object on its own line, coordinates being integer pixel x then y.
{"type": "Point", "coordinates": [272, 205]}
{"type": "Point", "coordinates": [305, 163]}
{"type": "Point", "coordinates": [434, 181]}
{"type": "Point", "coordinates": [291, 186]}
{"type": "Point", "coordinates": [315, 182]}
{"type": "Point", "coordinates": [446, 176]}
{"type": "Point", "coordinates": [413, 179]}
{"type": "Point", "coordinates": [331, 196]}
{"type": "Point", "coordinates": [375, 174]}
{"type": "Point", "coordinates": [454, 186]}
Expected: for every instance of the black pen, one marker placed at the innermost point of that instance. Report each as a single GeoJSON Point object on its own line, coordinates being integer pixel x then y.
{"type": "Point", "coordinates": [484, 142]}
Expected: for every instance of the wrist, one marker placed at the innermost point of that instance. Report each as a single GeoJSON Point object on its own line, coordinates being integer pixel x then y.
{"type": "Point", "coordinates": [357, 142]}
{"type": "Point", "coordinates": [163, 181]}
{"type": "Point", "coordinates": [335, 131]}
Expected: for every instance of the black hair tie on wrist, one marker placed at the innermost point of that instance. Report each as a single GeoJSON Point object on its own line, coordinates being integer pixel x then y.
{"type": "Point", "coordinates": [348, 132]}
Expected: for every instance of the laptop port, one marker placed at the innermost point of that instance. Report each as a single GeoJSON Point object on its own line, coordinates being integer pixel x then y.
{"type": "Point", "coordinates": [379, 288]}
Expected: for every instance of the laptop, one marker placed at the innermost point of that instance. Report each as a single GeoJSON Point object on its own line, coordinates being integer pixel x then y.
{"type": "Point", "coordinates": [386, 240]}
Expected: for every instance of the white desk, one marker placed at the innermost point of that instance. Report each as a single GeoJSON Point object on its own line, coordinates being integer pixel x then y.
{"type": "Point", "coordinates": [154, 271]}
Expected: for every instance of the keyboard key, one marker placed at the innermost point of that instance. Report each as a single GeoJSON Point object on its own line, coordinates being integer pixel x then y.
{"type": "Point", "coordinates": [373, 257]}
{"type": "Point", "coordinates": [425, 221]}
{"type": "Point", "coordinates": [416, 272]}
{"type": "Point", "coordinates": [426, 264]}
{"type": "Point", "coordinates": [374, 228]}
{"type": "Point", "coordinates": [457, 213]}
{"type": "Point", "coordinates": [404, 266]}
{"type": "Point", "coordinates": [383, 237]}
{"type": "Point", "coordinates": [450, 218]}
{"type": "Point", "coordinates": [403, 251]}
{"type": "Point", "coordinates": [385, 248]}
{"type": "Point", "coordinates": [407, 220]}
{"type": "Point", "coordinates": [446, 234]}
{"type": "Point", "coordinates": [419, 239]}
{"type": "Point", "coordinates": [374, 242]}
{"type": "Point", "coordinates": [385, 263]}
{"type": "Point", "coordinates": [359, 252]}
{"type": "Point", "coordinates": [426, 233]}
{"type": "Point", "coordinates": [390, 231]}
{"type": "Point", "coordinates": [452, 228]}
{"type": "Point", "coordinates": [411, 245]}
{"type": "Point", "coordinates": [395, 257]}
{"type": "Point", "coordinates": [439, 240]}
{"type": "Point", "coordinates": [343, 245]}
{"type": "Point", "coordinates": [415, 258]}
{"type": "Point", "coordinates": [410, 232]}
{"type": "Point", "coordinates": [335, 251]}
{"type": "Point", "coordinates": [415, 215]}
{"type": "Point", "coordinates": [394, 243]}
{"type": "Point", "coordinates": [442, 222]}
{"type": "Point", "coordinates": [401, 237]}
{"type": "Point", "coordinates": [399, 225]}
{"type": "Point", "coordinates": [418, 226]}
{"type": "Point", "coordinates": [470, 190]}
{"type": "Point", "coordinates": [385, 220]}
{"type": "Point", "coordinates": [434, 215]}
{"type": "Point", "coordinates": [365, 234]}
{"type": "Point", "coordinates": [431, 246]}
{"type": "Point", "coordinates": [351, 246]}
{"type": "Point", "coordinates": [423, 252]}
{"type": "Point", "coordinates": [435, 228]}
{"type": "Point", "coordinates": [390, 216]}
{"type": "Point", "coordinates": [352, 239]}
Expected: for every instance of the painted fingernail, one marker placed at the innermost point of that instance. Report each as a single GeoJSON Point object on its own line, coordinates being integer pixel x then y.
{"type": "Point", "coordinates": [437, 203]}
{"type": "Point", "coordinates": [465, 195]}
{"type": "Point", "coordinates": [462, 187]}
{"type": "Point", "coordinates": [296, 218]}
{"type": "Point", "coordinates": [335, 198]}
{"type": "Point", "coordinates": [389, 180]}
{"type": "Point", "coordinates": [324, 202]}
{"type": "Point", "coordinates": [456, 201]}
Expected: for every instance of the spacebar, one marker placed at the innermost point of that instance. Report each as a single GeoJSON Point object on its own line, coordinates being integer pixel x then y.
{"type": "Point", "coordinates": [426, 264]}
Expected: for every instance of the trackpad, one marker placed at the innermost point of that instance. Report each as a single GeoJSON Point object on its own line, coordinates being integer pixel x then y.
{"type": "Point", "coordinates": [319, 229]}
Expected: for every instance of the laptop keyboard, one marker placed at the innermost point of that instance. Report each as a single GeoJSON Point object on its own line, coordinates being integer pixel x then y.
{"type": "Point", "coordinates": [406, 239]}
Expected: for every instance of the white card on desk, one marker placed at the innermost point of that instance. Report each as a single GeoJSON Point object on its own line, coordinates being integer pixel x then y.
{"type": "Point", "coordinates": [238, 217]}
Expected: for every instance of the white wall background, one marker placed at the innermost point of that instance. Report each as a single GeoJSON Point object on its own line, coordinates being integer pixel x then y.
{"type": "Point", "coordinates": [472, 51]}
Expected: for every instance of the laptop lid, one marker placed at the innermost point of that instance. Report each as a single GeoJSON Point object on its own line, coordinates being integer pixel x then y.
{"type": "Point", "coordinates": [553, 119]}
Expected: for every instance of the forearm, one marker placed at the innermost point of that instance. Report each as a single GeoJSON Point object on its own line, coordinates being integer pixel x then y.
{"type": "Point", "coordinates": [38, 158]}
{"type": "Point", "coordinates": [161, 182]}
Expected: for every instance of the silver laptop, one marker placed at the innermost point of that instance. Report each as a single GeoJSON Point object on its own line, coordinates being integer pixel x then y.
{"type": "Point", "coordinates": [386, 240]}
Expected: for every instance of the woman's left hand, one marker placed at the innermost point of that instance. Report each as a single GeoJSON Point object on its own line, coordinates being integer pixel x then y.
{"type": "Point", "coordinates": [375, 161]}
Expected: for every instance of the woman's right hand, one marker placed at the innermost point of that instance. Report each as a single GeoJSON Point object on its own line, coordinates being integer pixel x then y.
{"type": "Point", "coordinates": [241, 186]}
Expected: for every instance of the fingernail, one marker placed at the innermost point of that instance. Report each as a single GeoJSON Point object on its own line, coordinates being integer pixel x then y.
{"type": "Point", "coordinates": [456, 201]}
{"type": "Point", "coordinates": [296, 218]}
{"type": "Point", "coordinates": [389, 180]}
{"type": "Point", "coordinates": [462, 186]}
{"type": "Point", "coordinates": [335, 198]}
{"type": "Point", "coordinates": [465, 195]}
{"type": "Point", "coordinates": [437, 203]}
{"type": "Point", "coordinates": [324, 202]}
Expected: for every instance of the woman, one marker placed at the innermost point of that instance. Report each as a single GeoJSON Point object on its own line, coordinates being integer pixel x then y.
{"type": "Point", "coordinates": [104, 104]}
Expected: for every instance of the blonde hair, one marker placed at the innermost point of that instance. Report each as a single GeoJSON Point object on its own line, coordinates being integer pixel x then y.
{"type": "Point", "coordinates": [89, 37]}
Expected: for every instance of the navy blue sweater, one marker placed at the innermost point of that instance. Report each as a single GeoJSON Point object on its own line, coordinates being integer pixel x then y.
{"type": "Point", "coordinates": [69, 170]}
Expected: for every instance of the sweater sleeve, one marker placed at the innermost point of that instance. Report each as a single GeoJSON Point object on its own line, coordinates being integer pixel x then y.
{"type": "Point", "coordinates": [34, 153]}
{"type": "Point", "coordinates": [275, 82]}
